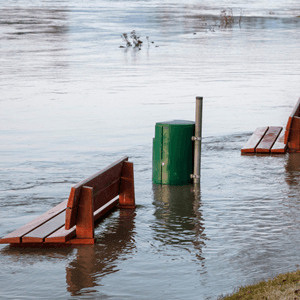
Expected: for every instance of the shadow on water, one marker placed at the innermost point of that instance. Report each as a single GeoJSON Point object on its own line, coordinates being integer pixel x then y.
{"type": "Point", "coordinates": [179, 218]}
{"type": "Point", "coordinates": [292, 178]}
{"type": "Point", "coordinates": [93, 262]}
{"type": "Point", "coordinates": [88, 263]}
{"type": "Point", "coordinates": [292, 168]}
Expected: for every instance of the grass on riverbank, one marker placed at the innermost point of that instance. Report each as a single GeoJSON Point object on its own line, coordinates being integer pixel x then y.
{"type": "Point", "coordinates": [284, 286]}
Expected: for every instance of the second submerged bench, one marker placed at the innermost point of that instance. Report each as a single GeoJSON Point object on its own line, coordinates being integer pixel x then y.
{"type": "Point", "coordinates": [273, 139]}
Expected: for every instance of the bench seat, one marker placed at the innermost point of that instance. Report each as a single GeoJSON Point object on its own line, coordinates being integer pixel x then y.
{"type": "Point", "coordinates": [273, 139]}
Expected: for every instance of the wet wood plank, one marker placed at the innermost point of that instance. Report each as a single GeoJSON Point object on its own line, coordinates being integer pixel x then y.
{"type": "Point", "coordinates": [99, 181]}
{"type": "Point", "coordinates": [268, 140]}
{"type": "Point", "coordinates": [254, 140]}
{"type": "Point", "coordinates": [287, 130]}
{"type": "Point", "coordinates": [295, 113]}
{"type": "Point", "coordinates": [296, 110]}
{"type": "Point", "coordinates": [61, 235]}
{"type": "Point", "coordinates": [126, 194]}
{"type": "Point", "coordinates": [85, 216]}
{"type": "Point", "coordinates": [15, 236]}
{"type": "Point", "coordinates": [39, 234]}
{"type": "Point", "coordinates": [294, 135]}
{"type": "Point", "coordinates": [279, 145]}
{"type": "Point", "coordinates": [106, 208]}
{"type": "Point", "coordinates": [105, 195]}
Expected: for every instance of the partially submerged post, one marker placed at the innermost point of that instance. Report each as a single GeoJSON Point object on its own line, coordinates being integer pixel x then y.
{"type": "Point", "coordinates": [197, 139]}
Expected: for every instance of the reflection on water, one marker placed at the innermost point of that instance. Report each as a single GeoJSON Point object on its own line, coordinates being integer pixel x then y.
{"type": "Point", "coordinates": [95, 261]}
{"type": "Point", "coordinates": [179, 217]}
{"type": "Point", "coordinates": [292, 168]}
{"type": "Point", "coordinates": [87, 264]}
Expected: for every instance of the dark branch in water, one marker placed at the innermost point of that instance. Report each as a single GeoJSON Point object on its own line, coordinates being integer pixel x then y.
{"type": "Point", "coordinates": [135, 41]}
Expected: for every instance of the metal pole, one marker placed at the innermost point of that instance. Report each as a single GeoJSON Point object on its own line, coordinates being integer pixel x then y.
{"type": "Point", "coordinates": [197, 139]}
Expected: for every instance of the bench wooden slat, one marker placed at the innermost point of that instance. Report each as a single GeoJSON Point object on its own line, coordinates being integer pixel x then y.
{"type": "Point", "coordinates": [287, 130]}
{"type": "Point", "coordinates": [98, 181]}
{"type": "Point", "coordinates": [61, 235]}
{"type": "Point", "coordinates": [106, 194]}
{"type": "Point", "coordinates": [39, 234]}
{"type": "Point", "coordinates": [296, 110]}
{"type": "Point", "coordinates": [268, 140]}
{"type": "Point", "coordinates": [99, 198]}
{"type": "Point", "coordinates": [290, 124]}
{"type": "Point", "coordinates": [279, 146]}
{"type": "Point", "coordinates": [254, 140]}
{"type": "Point", "coordinates": [294, 135]}
{"type": "Point", "coordinates": [106, 208]}
{"type": "Point", "coordinates": [126, 193]}
{"type": "Point", "coordinates": [15, 236]}
{"type": "Point", "coordinates": [85, 216]}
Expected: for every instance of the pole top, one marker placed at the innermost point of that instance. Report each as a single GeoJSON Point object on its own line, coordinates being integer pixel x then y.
{"type": "Point", "coordinates": [199, 98]}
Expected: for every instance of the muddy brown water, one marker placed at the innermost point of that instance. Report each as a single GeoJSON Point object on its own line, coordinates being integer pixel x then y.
{"type": "Point", "coordinates": [72, 102]}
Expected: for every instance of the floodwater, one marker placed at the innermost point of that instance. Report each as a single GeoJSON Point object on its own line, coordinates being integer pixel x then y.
{"type": "Point", "coordinates": [72, 101]}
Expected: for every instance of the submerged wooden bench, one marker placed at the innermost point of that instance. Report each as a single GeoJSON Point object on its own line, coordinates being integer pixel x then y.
{"type": "Point", "coordinates": [273, 139]}
{"type": "Point", "coordinates": [72, 221]}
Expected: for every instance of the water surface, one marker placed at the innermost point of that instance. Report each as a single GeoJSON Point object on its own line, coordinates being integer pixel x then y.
{"type": "Point", "coordinates": [72, 102]}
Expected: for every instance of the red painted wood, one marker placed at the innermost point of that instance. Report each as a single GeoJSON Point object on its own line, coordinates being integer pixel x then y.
{"type": "Point", "coordinates": [105, 195]}
{"type": "Point", "coordinates": [7, 240]}
{"type": "Point", "coordinates": [106, 208]}
{"type": "Point", "coordinates": [15, 236]}
{"type": "Point", "coordinates": [268, 140]}
{"type": "Point", "coordinates": [296, 110]}
{"type": "Point", "coordinates": [254, 140]}
{"type": "Point", "coordinates": [287, 130]}
{"type": "Point", "coordinates": [39, 234]}
{"type": "Point", "coordinates": [77, 241]}
{"type": "Point", "coordinates": [72, 206]}
{"type": "Point", "coordinates": [85, 216]}
{"type": "Point", "coordinates": [98, 182]}
{"type": "Point", "coordinates": [292, 126]}
{"type": "Point", "coordinates": [61, 235]}
{"type": "Point", "coordinates": [294, 136]}
{"type": "Point", "coordinates": [279, 146]}
{"type": "Point", "coordinates": [126, 194]}
{"type": "Point", "coordinates": [71, 215]}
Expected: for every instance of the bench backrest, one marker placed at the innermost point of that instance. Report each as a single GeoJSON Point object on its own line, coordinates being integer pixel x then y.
{"type": "Point", "coordinates": [106, 184]}
{"type": "Point", "coordinates": [291, 137]}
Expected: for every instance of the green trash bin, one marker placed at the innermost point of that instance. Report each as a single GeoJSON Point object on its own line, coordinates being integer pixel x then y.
{"type": "Point", "coordinates": [173, 152]}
